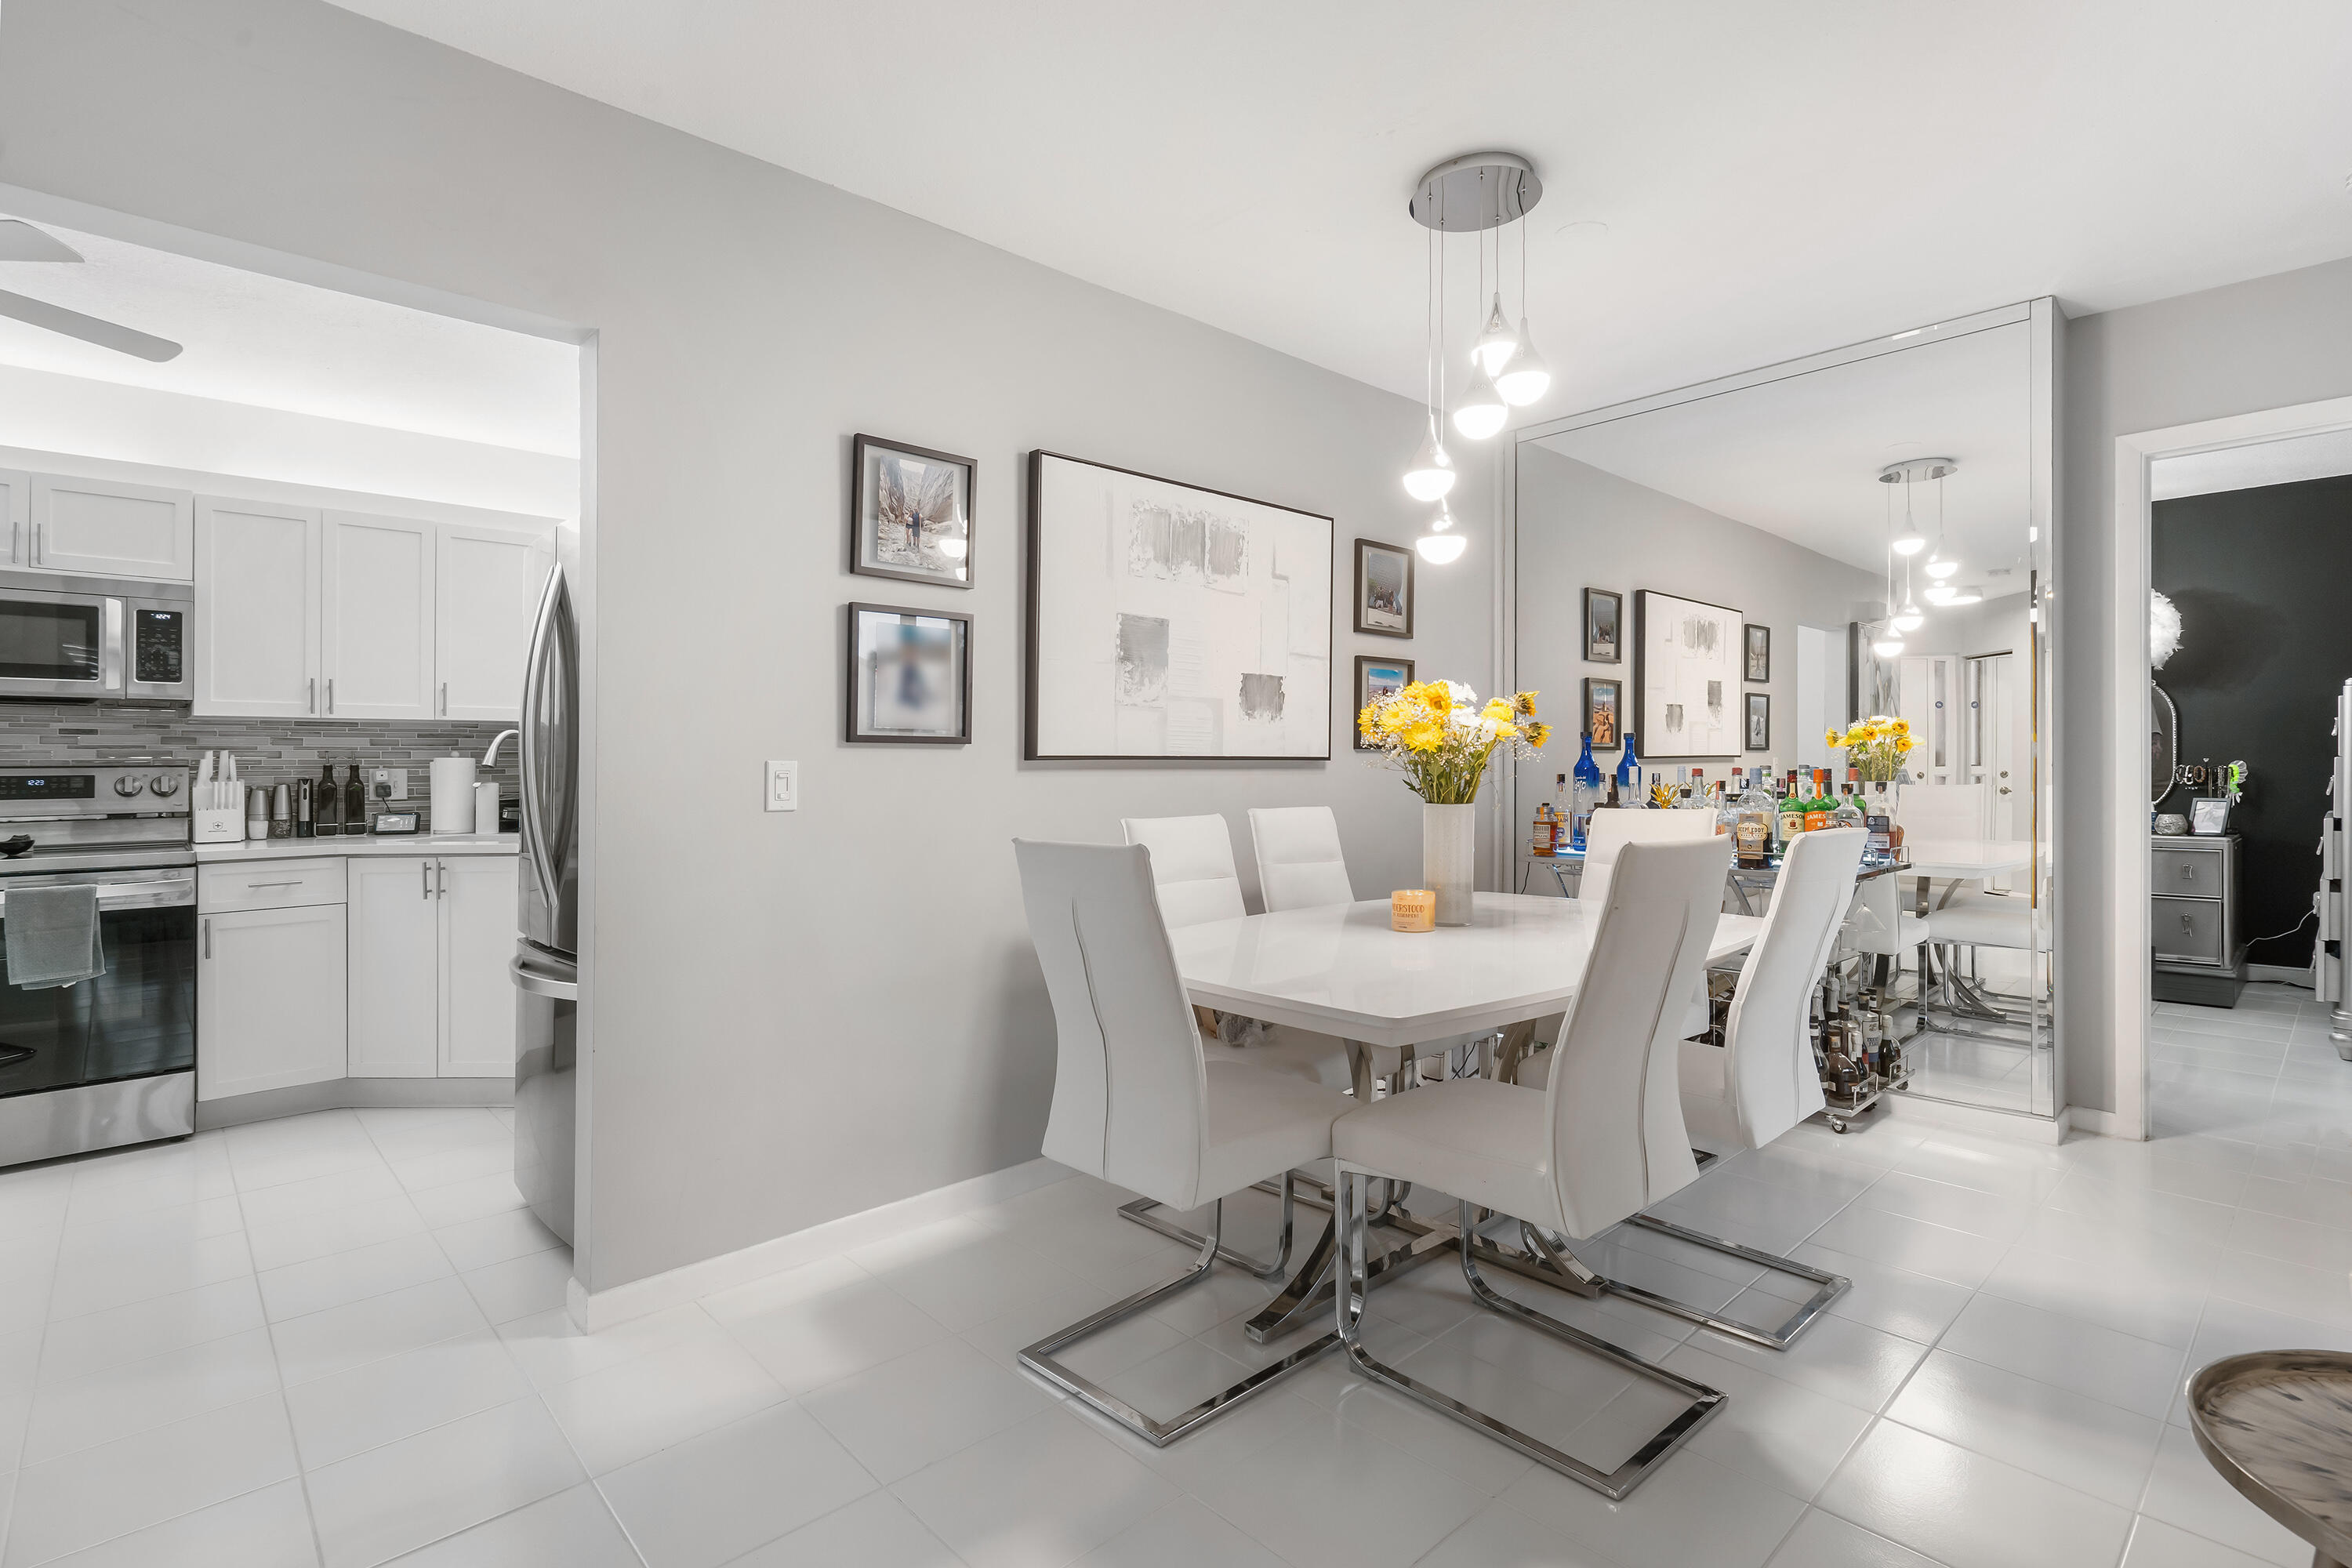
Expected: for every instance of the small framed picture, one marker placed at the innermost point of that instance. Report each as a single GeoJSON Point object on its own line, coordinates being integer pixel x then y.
{"type": "Point", "coordinates": [1383, 589]}
{"type": "Point", "coordinates": [909, 676]}
{"type": "Point", "coordinates": [2208, 815]}
{"type": "Point", "coordinates": [1376, 679]}
{"type": "Point", "coordinates": [1605, 612]}
{"type": "Point", "coordinates": [1759, 721]}
{"type": "Point", "coordinates": [910, 515]}
{"type": "Point", "coordinates": [1604, 700]}
{"type": "Point", "coordinates": [1759, 652]}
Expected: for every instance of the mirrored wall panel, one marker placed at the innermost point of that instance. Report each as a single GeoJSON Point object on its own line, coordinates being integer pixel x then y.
{"type": "Point", "coordinates": [1830, 577]}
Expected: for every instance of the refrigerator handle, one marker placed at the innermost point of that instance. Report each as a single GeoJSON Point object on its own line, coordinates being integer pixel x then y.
{"type": "Point", "coordinates": [543, 649]}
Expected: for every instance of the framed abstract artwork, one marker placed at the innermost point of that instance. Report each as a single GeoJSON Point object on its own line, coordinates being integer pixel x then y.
{"type": "Point", "coordinates": [1758, 655]}
{"type": "Point", "coordinates": [1383, 589]}
{"type": "Point", "coordinates": [1759, 721]}
{"type": "Point", "coordinates": [1170, 621]}
{"type": "Point", "coordinates": [1375, 678]}
{"type": "Point", "coordinates": [910, 515]}
{"type": "Point", "coordinates": [909, 676]}
{"type": "Point", "coordinates": [1686, 667]}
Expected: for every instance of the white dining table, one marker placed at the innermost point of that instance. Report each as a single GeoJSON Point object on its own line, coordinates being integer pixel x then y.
{"type": "Point", "coordinates": [1966, 859]}
{"type": "Point", "coordinates": [1340, 970]}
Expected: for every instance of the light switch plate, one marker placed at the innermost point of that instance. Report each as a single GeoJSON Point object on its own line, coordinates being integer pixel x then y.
{"type": "Point", "coordinates": [784, 786]}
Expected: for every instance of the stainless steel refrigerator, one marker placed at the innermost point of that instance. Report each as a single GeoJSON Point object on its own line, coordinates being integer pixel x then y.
{"type": "Point", "coordinates": [545, 966]}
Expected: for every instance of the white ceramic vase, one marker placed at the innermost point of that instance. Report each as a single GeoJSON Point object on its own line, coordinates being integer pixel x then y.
{"type": "Point", "coordinates": [1449, 843]}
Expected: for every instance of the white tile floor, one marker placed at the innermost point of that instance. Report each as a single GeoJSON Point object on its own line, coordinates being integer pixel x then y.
{"type": "Point", "coordinates": [336, 1340]}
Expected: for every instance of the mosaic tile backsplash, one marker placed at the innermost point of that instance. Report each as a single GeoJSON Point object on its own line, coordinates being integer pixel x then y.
{"type": "Point", "coordinates": [269, 751]}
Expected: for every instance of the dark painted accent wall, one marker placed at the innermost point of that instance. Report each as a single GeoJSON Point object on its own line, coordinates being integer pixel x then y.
{"type": "Point", "coordinates": [2264, 579]}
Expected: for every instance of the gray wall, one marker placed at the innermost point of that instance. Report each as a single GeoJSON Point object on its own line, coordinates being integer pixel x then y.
{"type": "Point", "coordinates": [794, 1017]}
{"type": "Point", "coordinates": [1583, 527]}
{"type": "Point", "coordinates": [2266, 344]}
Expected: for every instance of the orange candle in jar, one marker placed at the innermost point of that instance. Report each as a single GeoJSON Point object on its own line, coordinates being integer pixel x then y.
{"type": "Point", "coordinates": [1412, 908]}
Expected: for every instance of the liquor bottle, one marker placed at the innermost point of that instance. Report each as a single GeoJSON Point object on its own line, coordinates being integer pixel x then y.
{"type": "Point", "coordinates": [1539, 842]}
{"type": "Point", "coordinates": [1751, 829]}
{"type": "Point", "coordinates": [355, 811]}
{"type": "Point", "coordinates": [1584, 795]}
{"type": "Point", "coordinates": [329, 803]}
{"type": "Point", "coordinates": [1877, 818]}
{"type": "Point", "coordinates": [1629, 771]}
{"type": "Point", "coordinates": [1612, 795]}
{"type": "Point", "coordinates": [1817, 807]}
{"type": "Point", "coordinates": [1695, 794]}
{"type": "Point", "coordinates": [1792, 812]}
{"type": "Point", "coordinates": [1847, 811]}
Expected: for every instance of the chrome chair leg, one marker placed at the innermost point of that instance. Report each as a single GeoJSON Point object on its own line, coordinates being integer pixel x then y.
{"type": "Point", "coordinates": [1614, 1485]}
{"type": "Point", "coordinates": [1828, 1288]}
{"type": "Point", "coordinates": [1141, 1210]}
{"type": "Point", "coordinates": [1039, 1358]}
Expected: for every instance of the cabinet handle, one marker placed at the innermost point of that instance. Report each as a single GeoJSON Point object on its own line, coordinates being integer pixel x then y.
{"type": "Point", "coordinates": [444, 700]}
{"type": "Point", "coordinates": [259, 885]}
{"type": "Point", "coordinates": [330, 694]}
{"type": "Point", "coordinates": [36, 544]}
{"type": "Point", "coordinates": [425, 878]}
{"type": "Point", "coordinates": [440, 878]}
{"type": "Point", "coordinates": [208, 939]}
{"type": "Point", "coordinates": [314, 694]}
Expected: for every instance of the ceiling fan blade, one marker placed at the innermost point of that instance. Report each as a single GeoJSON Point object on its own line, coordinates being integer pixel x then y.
{"type": "Point", "coordinates": [20, 241]}
{"type": "Point", "coordinates": [89, 329]}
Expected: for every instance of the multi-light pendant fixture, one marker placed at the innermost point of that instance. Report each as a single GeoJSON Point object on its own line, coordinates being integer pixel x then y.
{"type": "Point", "coordinates": [1904, 542]}
{"type": "Point", "coordinates": [1473, 193]}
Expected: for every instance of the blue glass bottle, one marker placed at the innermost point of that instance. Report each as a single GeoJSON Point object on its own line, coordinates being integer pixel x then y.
{"type": "Point", "coordinates": [1584, 794]}
{"type": "Point", "coordinates": [1629, 774]}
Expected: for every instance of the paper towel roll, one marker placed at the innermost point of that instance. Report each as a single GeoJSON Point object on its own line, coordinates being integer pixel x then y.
{"type": "Point", "coordinates": [453, 794]}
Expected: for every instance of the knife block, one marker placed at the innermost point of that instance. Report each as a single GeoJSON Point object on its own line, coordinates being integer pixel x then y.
{"type": "Point", "coordinates": [224, 826]}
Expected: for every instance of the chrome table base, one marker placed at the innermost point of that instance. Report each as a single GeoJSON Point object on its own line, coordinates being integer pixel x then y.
{"type": "Point", "coordinates": [1614, 1484]}
{"type": "Point", "coordinates": [1039, 1358]}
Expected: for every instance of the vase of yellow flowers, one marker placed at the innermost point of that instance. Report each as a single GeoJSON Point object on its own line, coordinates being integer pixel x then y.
{"type": "Point", "coordinates": [1876, 747]}
{"type": "Point", "coordinates": [1438, 735]}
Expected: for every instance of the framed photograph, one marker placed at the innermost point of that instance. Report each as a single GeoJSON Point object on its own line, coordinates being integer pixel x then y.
{"type": "Point", "coordinates": [909, 676]}
{"type": "Point", "coordinates": [1604, 616]}
{"type": "Point", "coordinates": [1759, 651]}
{"type": "Point", "coordinates": [1383, 589]}
{"type": "Point", "coordinates": [1759, 721]}
{"type": "Point", "coordinates": [1376, 679]}
{"type": "Point", "coordinates": [1170, 621]}
{"type": "Point", "coordinates": [2208, 815]}
{"type": "Point", "coordinates": [1685, 672]}
{"type": "Point", "coordinates": [1604, 700]}
{"type": "Point", "coordinates": [910, 513]}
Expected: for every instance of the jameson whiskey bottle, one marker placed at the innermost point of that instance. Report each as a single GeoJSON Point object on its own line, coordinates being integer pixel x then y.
{"type": "Point", "coordinates": [1792, 812]}
{"type": "Point", "coordinates": [1816, 806]}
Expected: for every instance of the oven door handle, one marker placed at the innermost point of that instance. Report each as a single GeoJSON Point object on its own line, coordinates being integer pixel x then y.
{"type": "Point", "coordinates": [151, 893]}
{"type": "Point", "coordinates": [110, 639]}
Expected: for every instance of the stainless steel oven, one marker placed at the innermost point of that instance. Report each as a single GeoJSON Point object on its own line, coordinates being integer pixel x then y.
{"type": "Point", "coordinates": [109, 1060]}
{"type": "Point", "coordinates": [90, 637]}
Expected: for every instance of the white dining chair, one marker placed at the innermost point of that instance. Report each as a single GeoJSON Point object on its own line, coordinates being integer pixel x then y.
{"type": "Point", "coordinates": [1606, 834]}
{"type": "Point", "coordinates": [1138, 1103]}
{"type": "Point", "coordinates": [1762, 1080]}
{"type": "Point", "coordinates": [1942, 811]}
{"type": "Point", "coordinates": [1301, 865]}
{"type": "Point", "coordinates": [1603, 1142]}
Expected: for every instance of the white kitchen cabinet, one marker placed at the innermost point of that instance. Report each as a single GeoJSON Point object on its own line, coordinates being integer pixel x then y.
{"type": "Point", "coordinates": [15, 507]}
{"type": "Point", "coordinates": [430, 937]}
{"type": "Point", "coordinates": [269, 999]}
{"type": "Point", "coordinates": [478, 939]}
{"type": "Point", "coordinates": [486, 591]}
{"type": "Point", "coordinates": [110, 527]}
{"type": "Point", "coordinates": [257, 609]}
{"type": "Point", "coordinates": [395, 958]}
{"type": "Point", "coordinates": [375, 621]}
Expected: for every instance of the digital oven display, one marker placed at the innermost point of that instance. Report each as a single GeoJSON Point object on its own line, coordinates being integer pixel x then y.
{"type": "Point", "coordinates": [49, 786]}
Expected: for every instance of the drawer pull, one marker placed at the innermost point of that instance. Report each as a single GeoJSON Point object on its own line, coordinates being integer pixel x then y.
{"type": "Point", "coordinates": [258, 884]}
{"type": "Point", "coordinates": [2186, 928]}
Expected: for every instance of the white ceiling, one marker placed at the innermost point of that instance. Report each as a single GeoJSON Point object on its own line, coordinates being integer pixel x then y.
{"type": "Point", "coordinates": [2284, 462]}
{"type": "Point", "coordinates": [270, 343]}
{"type": "Point", "coordinates": [1800, 457]}
{"type": "Point", "coordinates": [1726, 185]}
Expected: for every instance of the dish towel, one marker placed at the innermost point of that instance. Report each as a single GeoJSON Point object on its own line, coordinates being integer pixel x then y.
{"type": "Point", "coordinates": [51, 936]}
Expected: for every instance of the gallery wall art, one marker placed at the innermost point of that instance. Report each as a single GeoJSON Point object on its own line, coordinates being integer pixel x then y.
{"type": "Point", "coordinates": [1166, 620]}
{"type": "Point", "coordinates": [910, 513]}
{"type": "Point", "coordinates": [1686, 677]}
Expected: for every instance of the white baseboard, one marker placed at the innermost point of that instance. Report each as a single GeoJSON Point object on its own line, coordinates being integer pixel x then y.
{"type": "Point", "coordinates": [352, 1094]}
{"type": "Point", "coordinates": [2015, 1126]}
{"type": "Point", "coordinates": [2106, 1123]}
{"type": "Point", "coordinates": [597, 1309]}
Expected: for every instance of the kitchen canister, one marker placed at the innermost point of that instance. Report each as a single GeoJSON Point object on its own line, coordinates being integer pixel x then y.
{"type": "Point", "coordinates": [485, 806]}
{"type": "Point", "coordinates": [453, 794]}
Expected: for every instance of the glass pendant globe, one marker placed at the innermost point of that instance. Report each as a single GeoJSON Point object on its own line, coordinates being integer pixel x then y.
{"type": "Point", "coordinates": [1910, 620]}
{"type": "Point", "coordinates": [1887, 647]}
{"type": "Point", "coordinates": [1941, 567]}
{"type": "Point", "coordinates": [1966, 596]}
{"type": "Point", "coordinates": [1481, 412]}
{"type": "Point", "coordinates": [1496, 343]}
{"type": "Point", "coordinates": [1909, 544]}
{"type": "Point", "coordinates": [1440, 549]}
{"type": "Point", "coordinates": [1938, 592]}
{"type": "Point", "coordinates": [1526, 377]}
{"type": "Point", "coordinates": [1430, 473]}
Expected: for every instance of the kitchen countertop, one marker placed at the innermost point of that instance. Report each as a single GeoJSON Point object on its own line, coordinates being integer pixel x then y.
{"type": "Point", "coordinates": [366, 844]}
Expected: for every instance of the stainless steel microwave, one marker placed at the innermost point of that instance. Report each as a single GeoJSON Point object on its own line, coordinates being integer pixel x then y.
{"type": "Point", "coordinates": [86, 638]}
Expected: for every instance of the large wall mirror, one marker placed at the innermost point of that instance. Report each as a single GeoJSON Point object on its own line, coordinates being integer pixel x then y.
{"type": "Point", "coordinates": [1745, 534]}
